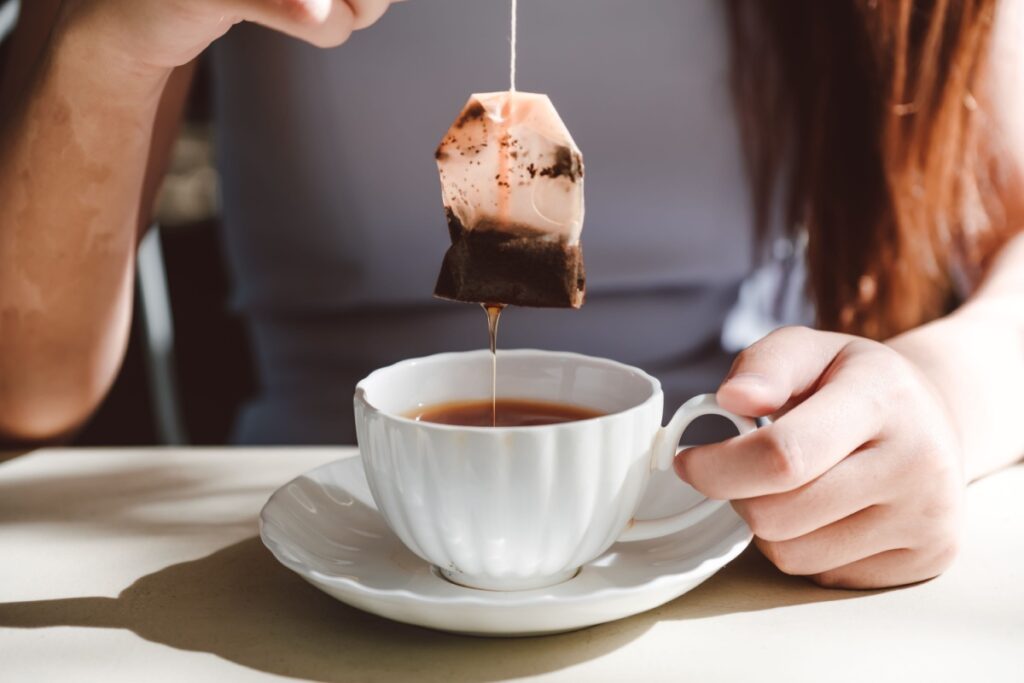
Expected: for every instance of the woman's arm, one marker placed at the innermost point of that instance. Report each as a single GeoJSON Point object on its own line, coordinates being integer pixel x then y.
{"type": "Point", "coordinates": [82, 149]}
{"type": "Point", "coordinates": [975, 359]}
{"type": "Point", "coordinates": [74, 153]}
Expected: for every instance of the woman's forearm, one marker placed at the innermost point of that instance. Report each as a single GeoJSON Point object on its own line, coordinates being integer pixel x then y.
{"type": "Point", "coordinates": [975, 359]}
{"type": "Point", "coordinates": [73, 156]}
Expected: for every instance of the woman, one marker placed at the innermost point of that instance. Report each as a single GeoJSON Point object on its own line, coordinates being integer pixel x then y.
{"type": "Point", "coordinates": [888, 133]}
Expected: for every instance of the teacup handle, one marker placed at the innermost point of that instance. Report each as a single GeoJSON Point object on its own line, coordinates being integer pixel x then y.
{"type": "Point", "coordinates": [666, 444]}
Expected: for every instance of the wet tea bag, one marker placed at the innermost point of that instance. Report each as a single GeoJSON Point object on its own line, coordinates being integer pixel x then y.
{"type": "Point", "coordinates": [512, 185]}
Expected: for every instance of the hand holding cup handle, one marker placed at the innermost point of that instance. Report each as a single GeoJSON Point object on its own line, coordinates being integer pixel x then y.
{"type": "Point", "coordinates": [666, 445]}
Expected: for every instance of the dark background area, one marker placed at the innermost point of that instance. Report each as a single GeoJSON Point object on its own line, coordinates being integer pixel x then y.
{"type": "Point", "coordinates": [213, 363]}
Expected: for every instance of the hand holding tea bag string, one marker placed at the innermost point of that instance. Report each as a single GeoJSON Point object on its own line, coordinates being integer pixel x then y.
{"type": "Point", "coordinates": [168, 34]}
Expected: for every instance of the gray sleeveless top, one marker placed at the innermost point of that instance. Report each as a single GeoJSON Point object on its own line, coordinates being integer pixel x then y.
{"type": "Point", "coordinates": [332, 212]}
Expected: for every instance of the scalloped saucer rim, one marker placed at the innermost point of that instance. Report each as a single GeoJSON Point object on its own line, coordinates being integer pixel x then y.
{"type": "Point", "coordinates": [353, 562]}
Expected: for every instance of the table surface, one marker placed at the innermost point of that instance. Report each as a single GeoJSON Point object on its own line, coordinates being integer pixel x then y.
{"type": "Point", "coordinates": [144, 564]}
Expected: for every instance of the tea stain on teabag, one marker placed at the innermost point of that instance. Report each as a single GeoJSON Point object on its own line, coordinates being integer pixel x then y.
{"type": "Point", "coordinates": [512, 186]}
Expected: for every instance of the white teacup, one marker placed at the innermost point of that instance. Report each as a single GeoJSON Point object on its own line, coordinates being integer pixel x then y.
{"type": "Point", "coordinates": [515, 508]}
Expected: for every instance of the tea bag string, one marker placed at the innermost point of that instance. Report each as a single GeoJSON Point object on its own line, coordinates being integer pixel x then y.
{"type": "Point", "coordinates": [512, 61]}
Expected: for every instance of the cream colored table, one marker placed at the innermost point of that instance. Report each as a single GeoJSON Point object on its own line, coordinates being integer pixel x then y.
{"type": "Point", "coordinates": [144, 565]}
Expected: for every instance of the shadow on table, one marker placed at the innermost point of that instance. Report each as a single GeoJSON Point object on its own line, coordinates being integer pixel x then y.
{"type": "Point", "coordinates": [121, 500]}
{"type": "Point", "coordinates": [7, 455]}
{"type": "Point", "coordinates": [240, 604]}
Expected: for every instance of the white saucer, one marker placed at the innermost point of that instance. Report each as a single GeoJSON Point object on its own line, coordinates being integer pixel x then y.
{"type": "Point", "coordinates": [325, 527]}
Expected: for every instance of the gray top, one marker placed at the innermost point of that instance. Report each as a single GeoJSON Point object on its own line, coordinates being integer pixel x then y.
{"type": "Point", "coordinates": [333, 221]}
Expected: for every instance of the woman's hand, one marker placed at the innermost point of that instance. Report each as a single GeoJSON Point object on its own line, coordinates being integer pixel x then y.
{"type": "Point", "coordinates": [170, 33]}
{"type": "Point", "coordinates": [859, 481]}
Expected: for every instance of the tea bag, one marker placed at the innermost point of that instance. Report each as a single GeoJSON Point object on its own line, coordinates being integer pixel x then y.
{"type": "Point", "coordinates": [512, 185]}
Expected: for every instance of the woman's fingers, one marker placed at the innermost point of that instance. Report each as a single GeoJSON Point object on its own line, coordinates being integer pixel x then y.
{"type": "Point", "coordinates": [849, 407]}
{"type": "Point", "coordinates": [325, 23]}
{"type": "Point", "coordinates": [309, 11]}
{"type": "Point", "coordinates": [890, 568]}
{"type": "Point", "coordinates": [863, 534]}
{"type": "Point", "coordinates": [367, 12]}
{"type": "Point", "coordinates": [785, 364]}
{"type": "Point", "coordinates": [861, 480]}
{"type": "Point", "coordinates": [801, 446]}
{"type": "Point", "coordinates": [857, 482]}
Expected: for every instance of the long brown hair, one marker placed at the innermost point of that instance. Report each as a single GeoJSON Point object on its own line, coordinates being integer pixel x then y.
{"type": "Point", "coordinates": [863, 119]}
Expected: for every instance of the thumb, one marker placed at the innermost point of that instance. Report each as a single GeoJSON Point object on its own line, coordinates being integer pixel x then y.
{"type": "Point", "coordinates": [782, 366]}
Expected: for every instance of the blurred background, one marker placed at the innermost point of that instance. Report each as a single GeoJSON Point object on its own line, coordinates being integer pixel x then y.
{"type": "Point", "coordinates": [188, 369]}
